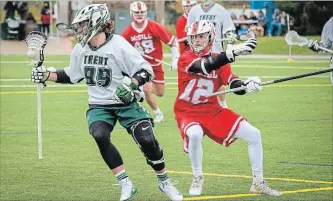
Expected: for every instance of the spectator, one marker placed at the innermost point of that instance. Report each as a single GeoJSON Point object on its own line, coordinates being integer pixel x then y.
{"type": "Point", "coordinates": [234, 18]}
{"type": "Point", "coordinates": [261, 25]}
{"type": "Point", "coordinates": [10, 9]}
{"type": "Point", "coordinates": [23, 10]}
{"type": "Point", "coordinates": [252, 16]}
{"type": "Point", "coordinates": [275, 24]}
{"type": "Point", "coordinates": [243, 27]}
{"type": "Point", "coordinates": [46, 18]}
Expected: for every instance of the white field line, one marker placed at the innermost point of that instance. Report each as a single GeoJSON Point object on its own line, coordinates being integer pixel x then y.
{"type": "Point", "coordinates": [174, 78]}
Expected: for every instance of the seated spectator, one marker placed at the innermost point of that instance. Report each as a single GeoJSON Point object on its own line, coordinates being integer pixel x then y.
{"type": "Point", "coordinates": [261, 25]}
{"type": "Point", "coordinates": [242, 27]}
{"type": "Point", "coordinates": [275, 24]}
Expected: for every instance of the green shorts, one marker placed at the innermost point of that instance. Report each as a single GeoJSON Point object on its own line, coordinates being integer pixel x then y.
{"type": "Point", "coordinates": [125, 114]}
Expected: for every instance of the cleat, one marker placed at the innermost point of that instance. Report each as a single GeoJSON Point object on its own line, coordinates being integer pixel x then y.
{"type": "Point", "coordinates": [196, 187]}
{"type": "Point", "coordinates": [128, 190]}
{"type": "Point", "coordinates": [263, 188]}
{"type": "Point", "coordinates": [168, 188]}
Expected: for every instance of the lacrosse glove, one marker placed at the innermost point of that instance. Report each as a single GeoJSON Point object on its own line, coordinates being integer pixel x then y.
{"type": "Point", "coordinates": [252, 85]}
{"type": "Point", "coordinates": [313, 45]}
{"type": "Point", "coordinates": [241, 49]}
{"type": "Point", "coordinates": [125, 91]}
{"type": "Point", "coordinates": [41, 74]}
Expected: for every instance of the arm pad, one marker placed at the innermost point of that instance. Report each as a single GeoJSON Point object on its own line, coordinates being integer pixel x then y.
{"type": "Point", "coordinates": [235, 83]}
{"type": "Point", "coordinates": [142, 76]}
{"type": "Point", "coordinates": [213, 62]}
{"type": "Point", "coordinates": [62, 77]}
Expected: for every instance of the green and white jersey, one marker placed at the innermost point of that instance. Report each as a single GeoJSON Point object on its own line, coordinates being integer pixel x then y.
{"type": "Point", "coordinates": [103, 68]}
{"type": "Point", "coordinates": [216, 14]}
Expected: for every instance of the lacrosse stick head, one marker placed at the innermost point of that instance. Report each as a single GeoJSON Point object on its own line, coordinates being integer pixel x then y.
{"type": "Point", "coordinates": [36, 42]}
{"type": "Point", "coordinates": [247, 35]}
{"type": "Point", "coordinates": [65, 28]}
{"type": "Point", "coordinates": [292, 38]}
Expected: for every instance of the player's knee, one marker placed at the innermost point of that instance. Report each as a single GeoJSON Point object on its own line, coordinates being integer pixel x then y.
{"type": "Point", "coordinates": [144, 136]}
{"type": "Point", "coordinates": [159, 93]}
{"type": "Point", "coordinates": [100, 130]}
{"type": "Point", "coordinates": [195, 133]}
{"type": "Point", "coordinates": [254, 134]}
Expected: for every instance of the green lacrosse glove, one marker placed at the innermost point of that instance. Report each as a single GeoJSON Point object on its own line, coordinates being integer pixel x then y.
{"type": "Point", "coordinates": [124, 91]}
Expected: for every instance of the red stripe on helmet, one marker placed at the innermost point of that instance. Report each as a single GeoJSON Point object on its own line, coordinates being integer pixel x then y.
{"type": "Point", "coordinates": [139, 6]}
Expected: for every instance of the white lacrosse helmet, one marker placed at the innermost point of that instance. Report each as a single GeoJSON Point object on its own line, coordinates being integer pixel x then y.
{"type": "Point", "coordinates": [187, 5]}
{"type": "Point", "coordinates": [89, 21]}
{"type": "Point", "coordinates": [138, 12]}
{"type": "Point", "coordinates": [199, 28]}
{"type": "Point", "coordinates": [188, 2]}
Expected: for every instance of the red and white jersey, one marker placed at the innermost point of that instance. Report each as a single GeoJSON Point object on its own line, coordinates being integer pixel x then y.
{"type": "Point", "coordinates": [192, 88]}
{"type": "Point", "coordinates": [181, 33]}
{"type": "Point", "coordinates": [147, 40]}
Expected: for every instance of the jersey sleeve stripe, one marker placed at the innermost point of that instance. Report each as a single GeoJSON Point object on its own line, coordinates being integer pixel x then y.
{"type": "Point", "coordinates": [186, 69]}
{"type": "Point", "coordinates": [182, 39]}
{"type": "Point", "coordinates": [171, 41]}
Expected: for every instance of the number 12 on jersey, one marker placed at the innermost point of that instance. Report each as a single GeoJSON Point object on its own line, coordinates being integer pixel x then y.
{"type": "Point", "coordinates": [196, 90]}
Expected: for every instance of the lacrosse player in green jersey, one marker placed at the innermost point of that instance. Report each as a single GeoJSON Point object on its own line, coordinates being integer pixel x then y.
{"type": "Point", "coordinates": [113, 71]}
{"type": "Point", "coordinates": [326, 41]}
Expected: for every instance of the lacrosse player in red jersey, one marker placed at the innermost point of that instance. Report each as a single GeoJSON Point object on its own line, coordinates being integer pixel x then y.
{"type": "Point", "coordinates": [146, 36]}
{"type": "Point", "coordinates": [201, 73]}
{"type": "Point", "coordinates": [113, 70]}
{"type": "Point", "coordinates": [181, 24]}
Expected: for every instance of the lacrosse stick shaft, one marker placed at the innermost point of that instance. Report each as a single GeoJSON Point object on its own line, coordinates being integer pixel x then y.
{"type": "Point", "coordinates": [39, 121]}
{"type": "Point", "coordinates": [325, 49]}
{"type": "Point", "coordinates": [272, 82]}
{"type": "Point", "coordinates": [157, 60]}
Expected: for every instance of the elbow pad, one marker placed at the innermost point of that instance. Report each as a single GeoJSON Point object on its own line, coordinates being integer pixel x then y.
{"type": "Point", "coordinates": [235, 83]}
{"type": "Point", "coordinates": [142, 76]}
{"type": "Point", "coordinates": [63, 78]}
{"type": "Point", "coordinates": [213, 62]}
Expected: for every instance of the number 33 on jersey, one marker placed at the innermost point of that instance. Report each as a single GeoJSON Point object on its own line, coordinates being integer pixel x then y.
{"type": "Point", "coordinates": [147, 40]}
{"type": "Point", "coordinates": [192, 87]}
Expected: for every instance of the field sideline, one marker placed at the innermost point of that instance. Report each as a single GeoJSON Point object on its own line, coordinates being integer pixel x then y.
{"type": "Point", "coordinates": [295, 119]}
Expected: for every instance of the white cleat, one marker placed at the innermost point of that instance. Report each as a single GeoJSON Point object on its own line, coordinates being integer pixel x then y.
{"type": "Point", "coordinates": [128, 190]}
{"type": "Point", "coordinates": [159, 118]}
{"type": "Point", "coordinates": [196, 187]}
{"type": "Point", "coordinates": [263, 188]}
{"type": "Point", "coordinates": [171, 191]}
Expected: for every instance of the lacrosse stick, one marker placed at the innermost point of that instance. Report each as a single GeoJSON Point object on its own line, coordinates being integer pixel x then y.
{"type": "Point", "coordinates": [272, 82]}
{"type": "Point", "coordinates": [65, 28]}
{"type": "Point", "coordinates": [243, 37]}
{"type": "Point", "coordinates": [157, 60]}
{"type": "Point", "coordinates": [36, 42]}
{"type": "Point", "coordinates": [292, 38]}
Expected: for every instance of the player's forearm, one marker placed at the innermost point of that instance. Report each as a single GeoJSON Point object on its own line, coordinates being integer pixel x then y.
{"type": "Point", "coordinates": [141, 77]}
{"type": "Point", "coordinates": [209, 64]}
{"type": "Point", "coordinates": [53, 77]}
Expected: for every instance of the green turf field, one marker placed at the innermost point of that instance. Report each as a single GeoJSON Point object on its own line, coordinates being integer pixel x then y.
{"type": "Point", "coordinates": [295, 119]}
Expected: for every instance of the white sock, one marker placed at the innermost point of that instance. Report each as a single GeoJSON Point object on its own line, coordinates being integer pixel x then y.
{"type": "Point", "coordinates": [157, 111]}
{"type": "Point", "coordinates": [223, 103]}
{"type": "Point", "coordinates": [252, 135]}
{"type": "Point", "coordinates": [195, 135]}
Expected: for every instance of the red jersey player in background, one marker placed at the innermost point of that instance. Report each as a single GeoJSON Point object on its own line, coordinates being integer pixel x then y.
{"type": "Point", "coordinates": [146, 36]}
{"type": "Point", "coordinates": [201, 73]}
{"type": "Point", "coordinates": [181, 24]}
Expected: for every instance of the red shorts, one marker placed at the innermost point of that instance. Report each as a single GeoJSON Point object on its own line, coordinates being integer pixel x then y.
{"type": "Point", "coordinates": [159, 74]}
{"type": "Point", "coordinates": [221, 127]}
